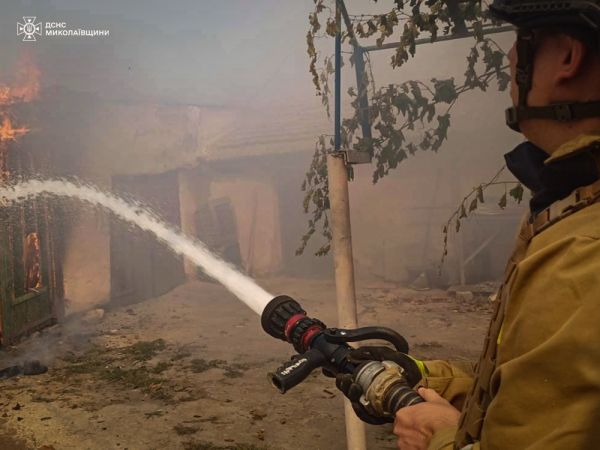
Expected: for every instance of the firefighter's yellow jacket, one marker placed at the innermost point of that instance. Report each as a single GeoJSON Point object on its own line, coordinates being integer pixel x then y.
{"type": "Point", "coordinates": [546, 384]}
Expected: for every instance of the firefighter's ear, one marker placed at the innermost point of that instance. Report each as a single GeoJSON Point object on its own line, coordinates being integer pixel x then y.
{"type": "Point", "coordinates": [571, 55]}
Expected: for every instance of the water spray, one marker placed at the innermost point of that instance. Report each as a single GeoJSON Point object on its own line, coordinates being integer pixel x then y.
{"type": "Point", "coordinates": [238, 284]}
{"type": "Point", "coordinates": [385, 389]}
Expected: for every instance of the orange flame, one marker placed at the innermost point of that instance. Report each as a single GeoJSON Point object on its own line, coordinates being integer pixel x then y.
{"type": "Point", "coordinates": [25, 89]}
{"type": "Point", "coordinates": [8, 133]}
{"type": "Point", "coordinates": [32, 259]}
{"type": "Point", "coordinates": [27, 83]}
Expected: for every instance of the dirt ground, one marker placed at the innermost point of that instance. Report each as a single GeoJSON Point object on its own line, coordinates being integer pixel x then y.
{"type": "Point", "coordinates": [188, 371]}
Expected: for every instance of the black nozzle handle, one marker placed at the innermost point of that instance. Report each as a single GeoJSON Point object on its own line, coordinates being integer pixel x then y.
{"type": "Point", "coordinates": [296, 370]}
{"type": "Point", "coordinates": [339, 336]}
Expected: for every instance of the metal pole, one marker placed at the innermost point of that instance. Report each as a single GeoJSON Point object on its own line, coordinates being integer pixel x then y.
{"type": "Point", "coordinates": [450, 37]}
{"type": "Point", "coordinates": [338, 76]}
{"type": "Point", "coordinates": [363, 100]}
{"type": "Point", "coordinates": [342, 241]}
{"type": "Point", "coordinates": [359, 66]}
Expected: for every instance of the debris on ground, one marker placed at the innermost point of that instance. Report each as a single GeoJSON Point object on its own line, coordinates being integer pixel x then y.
{"type": "Point", "coordinates": [33, 367]}
{"type": "Point", "coordinates": [95, 315]}
{"type": "Point", "coordinates": [464, 296]}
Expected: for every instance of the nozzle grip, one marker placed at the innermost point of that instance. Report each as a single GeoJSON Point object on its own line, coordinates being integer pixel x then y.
{"type": "Point", "coordinates": [339, 336]}
{"type": "Point", "coordinates": [296, 370]}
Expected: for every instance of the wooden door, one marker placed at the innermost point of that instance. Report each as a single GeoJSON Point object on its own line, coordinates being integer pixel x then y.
{"type": "Point", "coordinates": [31, 285]}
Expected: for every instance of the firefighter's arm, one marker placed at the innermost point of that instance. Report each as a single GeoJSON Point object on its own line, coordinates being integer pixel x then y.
{"type": "Point", "coordinates": [452, 380]}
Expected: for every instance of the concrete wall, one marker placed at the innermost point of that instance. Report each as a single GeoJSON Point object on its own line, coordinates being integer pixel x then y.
{"type": "Point", "coordinates": [86, 264]}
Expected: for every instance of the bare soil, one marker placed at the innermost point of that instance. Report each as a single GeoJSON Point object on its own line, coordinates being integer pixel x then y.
{"type": "Point", "coordinates": [188, 371]}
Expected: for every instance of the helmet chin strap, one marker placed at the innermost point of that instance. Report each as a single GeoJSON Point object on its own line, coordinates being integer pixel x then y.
{"type": "Point", "coordinates": [562, 112]}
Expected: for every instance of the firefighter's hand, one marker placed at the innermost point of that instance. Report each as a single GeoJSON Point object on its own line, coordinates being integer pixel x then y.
{"type": "Point", "coordinates": [353, 391]}
{"type": "Point", "coordinates": [415, 425]}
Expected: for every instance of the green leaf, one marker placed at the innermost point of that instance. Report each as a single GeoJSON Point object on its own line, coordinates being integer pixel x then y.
{"type": "Point", "coordinates": [415, 89]}
{"type": "Point", "coordinates": [502, 202]}
{"type": "Point", "coordinates": [503, 81]}
{"type": "Point", "coordinates": [473, 205]}
{"type": "Point", "coordinates": [430, 112]}
{"type": "Point", "coordinates": [383, 23]}
{"type": "Point", "coordinates": [392, 20]}
{"type": "Point", "coordinates": [360, 30]}
{"type": "Point", "coordinates": [331, 28]}
{"type": "Point", "coordinates": [402, 102]}
{"type": "Point", "coordinates": [313, 19]}
{"type": "Point", "coordinates": [445, 90]}
{"type": "Point", "coordinates": [372, 27]}
{"type": "Point", "coordinates": [478, 30]}
{"type": "Point", "coordinates": [323, 250]}
{"type": "Point", "coordinates": [517, 193]}
{"type": "Point", "coordinates": [443, 126]}
{"type": "Point", "coordinates": [329, 68]}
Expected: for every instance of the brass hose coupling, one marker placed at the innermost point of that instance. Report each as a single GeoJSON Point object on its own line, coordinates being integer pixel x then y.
{"type": "Point", "coordinates": [385, 389]}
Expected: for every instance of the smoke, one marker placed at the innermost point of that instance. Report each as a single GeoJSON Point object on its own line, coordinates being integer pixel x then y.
{"type": "Point", "coordinates": [204, 85]}
{"type": "Point", "coordinates": [74, 335]}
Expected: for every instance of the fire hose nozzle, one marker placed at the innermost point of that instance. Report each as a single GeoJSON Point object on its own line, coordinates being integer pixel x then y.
{"type": "Point", "coordinates": [385, 390]}
{"type": "Point", "coordinates": [277, 313]}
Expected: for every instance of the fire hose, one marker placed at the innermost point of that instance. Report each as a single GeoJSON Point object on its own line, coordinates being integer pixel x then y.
{"type": "Point", "coordinates": [384, 386]}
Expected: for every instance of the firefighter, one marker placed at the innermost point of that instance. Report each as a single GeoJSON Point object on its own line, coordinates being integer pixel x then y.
{"type": "Point", "coordinates": [537, 383]}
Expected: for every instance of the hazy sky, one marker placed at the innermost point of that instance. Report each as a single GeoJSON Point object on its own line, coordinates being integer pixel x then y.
{"type": "Point", "coordinates": [208, 52]}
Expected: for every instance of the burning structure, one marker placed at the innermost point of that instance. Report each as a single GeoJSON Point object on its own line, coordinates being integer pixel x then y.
{"type": "Point", "coordinates": [31, 286]}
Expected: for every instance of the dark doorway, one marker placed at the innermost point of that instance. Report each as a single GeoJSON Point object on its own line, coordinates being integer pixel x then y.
{"type": "Point", "coordinates": [141, 267]}
{"type": "Point", "coordinates": [217, 229]}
